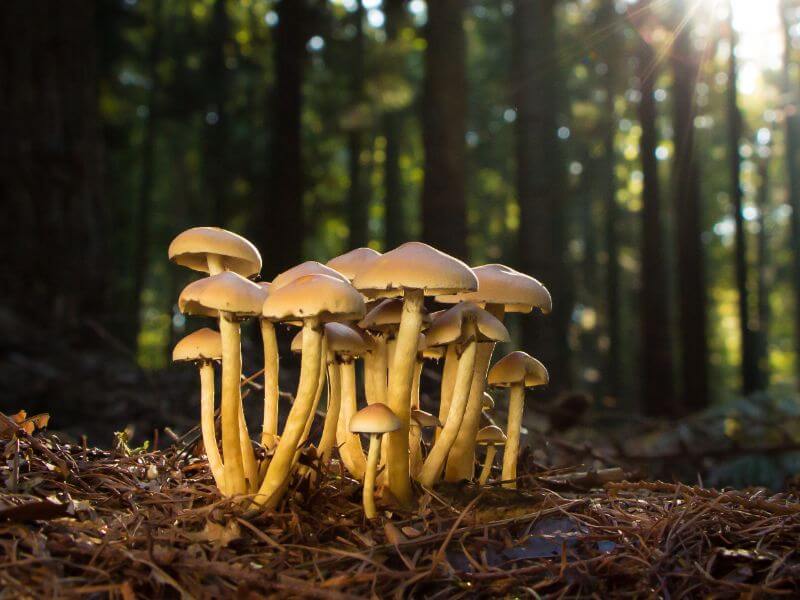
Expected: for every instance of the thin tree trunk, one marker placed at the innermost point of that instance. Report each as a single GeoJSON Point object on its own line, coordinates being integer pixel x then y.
{"type": "Point", "coordinates": [217, 166]}
{"type": "Point", "coordinates": [540, 179]}
{"type": "Point", "coordinates": [763, 278]}
{"type": "Point", "coordinates": [688, 218]}
{"type": "Point", "coordinates": [357, 200]}
{"type": "Point", "coordinates": [444, 114]}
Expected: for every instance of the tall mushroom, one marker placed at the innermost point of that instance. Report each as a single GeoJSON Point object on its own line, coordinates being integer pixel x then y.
{"type": "Point", "coordinates": [375, 419]}
{"type": "Point", "coordinates": [235, 298]}
{"type": "Point", "coordinates": [412, 270]}
{"type": "Point", "coordinates": [501, 289]}
{"type": "Point", "coordinates": [465, 324]}
{"type": "Point", "coordinates": [490, 436]}
{"type": "Point", "coordinates": [213, 250]}
{"type": "Point", "coordinates": [516, 371]}
{"type": "Point", "coordinates": [313, 299]}
{"type": "Point", "coordinates": [269, 428]}
{"type": "Point", "coordinates": [203, 347]}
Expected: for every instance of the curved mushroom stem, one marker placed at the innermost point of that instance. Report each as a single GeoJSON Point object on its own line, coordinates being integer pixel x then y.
{"type": "Point", "coordinates": [328, 439]}
{"type": "Point", "coordinates": [230, 403]}
{"type": "Point", "coordinates": [318, 393]}
{"type": "Point", "coordinates": [415, 385]}
{"type": "Point", "coordinates": [269, 429]}
{"type": "Point", "coordinates": [515, 405]}
{"type": "Point", "coordinates": [350, 449]}
{"type": "Point", "coordinates": [248, 455]}
{"type": "Point", "coordinates": [491, 451]}
{"type": "Point", "coordinates": [281, 464]}
{"type": "Point", "coordinates": [399, 393]}
{"type": "Point", "coordinates": [461, 462]}
{"type": "Point", "coordinates": [207, 424]}
{"type": "Point", "coordinates": [369, 477]}
{"type": "Point", "coordinates": [446, 389]}
{"type": "Point", "coordinates": [432, 467]}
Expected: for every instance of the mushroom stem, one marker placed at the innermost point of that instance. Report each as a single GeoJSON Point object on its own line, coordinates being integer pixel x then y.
{"type": "Point", "coordinates": [491, 451]}
{"type": "Point", "coordinates": [399, 393]}
{"type": "Point", "coordinates": [369, 476]}
{"type": "Point", "coordinates": [328, 439]}
{"type": "Point", "coordinates": [446, 389]}
{"type": "Point", "coordinates": [415, 385]}
{"type": "Point", "coordinates": [461, 462]}
{"type": "Point", "coordinates": [432, 467]}
{"type": "Point", "coordinates": [283, 458]}
{"type": "Point", "coordinates": [248, 455]}
{"type": "Point", "coordinates": [415, 432]}
{"type": "Point", "coordinates": [207, 424]}
{"type": "Point", "coordinates": [231, 400]}
{"type": "Point", "coordinates": [350, 449]}
{"type": "Point", "coordinates": [271, 391]}
{"type": "Point", "coordinates": [375, 368]}
{"type": "Point", "coordinates": [515, 405]}
{"type": "Point", "coordinates": [318, 393]}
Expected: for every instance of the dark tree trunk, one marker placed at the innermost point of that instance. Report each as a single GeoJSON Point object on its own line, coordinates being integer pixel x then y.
{"type": "Point", "coordinates": [53, 263]}
{"type": "Point", "coordinates": [763, 277]}
{"type": "Point", "coordinates": [217, 166]}
{"type": "Point", "coordinates": [688, 223]}
{"type": "Point", "coordinates": [444, 114]}
{"type": "Point", "coordinates": [792, 133]}
{"type": "Point", "coordinates": [283, 217]}
{"type": "Point", "coordinates": [749, 364]}
{"type": "Point", "coordinates": [540, 179]}
{"type": "Point", "coordinates": [657, 362]}
{"type": "Point", "coordinates": [357, 199]}
{"type": "Point", "coordinates": [395, 217]}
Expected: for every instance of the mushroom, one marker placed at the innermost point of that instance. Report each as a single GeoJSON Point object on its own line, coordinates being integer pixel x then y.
{"type": "Point", "coordinates": [269, 428]}
{"type": "Point", "coordinates": [235, 298]}
{"type": "Point", "coordinates": [517, 371]}
{"type": "Point", "coordinates": [213, 250]}
{"type": "Point", "coordinates": [314, 299]}
{"type": "Point", "coordinates": [465, 324]}
{"type": "Point", "coordinates": [375, 419]}
{"type": "Point", "coordinates": [310, 267]}
{"type": "Point", "coordinates": [203, 347]}
{"type": "Point", "coordinates": [419, 420]}
{"type": "Point", "coordinates": [501, 289]}
{"type": "Point", "coordinates": [412, 270]}
{"type": "Point", "coordinates": [351, 263]}
{"type": "Point", "coordinates": [491, 437]}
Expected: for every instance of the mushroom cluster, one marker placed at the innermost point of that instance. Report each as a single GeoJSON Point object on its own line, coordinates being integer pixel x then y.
{"type": "Point", "coordinates": [364, 306]}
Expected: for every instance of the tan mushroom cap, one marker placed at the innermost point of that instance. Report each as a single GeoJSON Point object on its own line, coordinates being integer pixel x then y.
{"type": "Point", "coordinates": [352, 263]}
{"type": "Point", "coordinates": [415, 265]}
{"type": "Point", "coordinates": [319, 296]}
{"type": "Point", "coordinates": [449, 327]}
{"type": "Point", "coordinates": [203, 344]}
{"type": "Point", "coordinates": [310, 267]}
{"type": "Point", "coordinates": [385, 317]}
{"type": "Point", "coordinates": [488, 402]}
{"type": "Point", "coordinates": [499, 284]}
{"type": "Point", "coordinates": [491, 435]}
{"type": "Point", "coordinates": [425, 419]}
{"type": "Point", "coordinates": [227, 292]}
{"type": "Point", "coordinates": [342, 339]}
{"type": "Point", "coordinates": [192, 247]}
{"type": "Point", "coordinates": [375, 418]}
{"type": "Point", "coordinates": [518, 367]}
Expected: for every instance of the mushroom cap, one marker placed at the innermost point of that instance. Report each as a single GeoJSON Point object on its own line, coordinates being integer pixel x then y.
{"type": "Point", "coordinates": [310, 267]}
{"type": "Point", "coordinates": [518, 368]}
{"type": "Point", "coordinates": [375, 418]}
{"type": "Point", "coordinates": [499, 284]}
{"type": "Point", "coordinates": [342, 339]}
{"type": "Point", "coordinates": [352, 263]}
{"type": "Point", "coordinates": [449, 326]}
{"type": "Point", "coordinates": [228, 292]}
{"type": "Point", "coordinates": [488, 402]}
{"type": "Point", "coordinates": [433, 352]}
{"type": "Point", "coordinates": [192, 247]}
{"type": "Point", "coordinates": [425, 419]}
{"type": "Point", "coordinates": [203, 344]}
{"type": "Point", "coordinates": [491, 435]}
{"type": "Point", "coordinates": [385, 317]}
{"type": "Point", "coordinates": [415, 265]}
{"type": "Point", "coordinates": [318, 296]}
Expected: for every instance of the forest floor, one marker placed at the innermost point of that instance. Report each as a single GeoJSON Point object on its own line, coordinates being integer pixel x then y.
{"type": "Point", "coordinates": [77, 521]}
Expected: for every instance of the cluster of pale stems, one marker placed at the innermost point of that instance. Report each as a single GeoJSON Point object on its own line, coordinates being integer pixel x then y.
{"type": "Point", "coordinates": [366, 306]}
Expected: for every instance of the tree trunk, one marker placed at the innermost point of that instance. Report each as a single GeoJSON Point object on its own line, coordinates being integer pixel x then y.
{"type": "Point", "coordinates": [395, 219]}
{"type": "Point", "coordinates": [53, 256]}
{"type": "Point", "coordinates": [357, 199]}
{"type": "Point", "coordinates": [749, 364]}
{"type": "Point", "coordinates": [444, 114]}
{"type": "Point", "coordinates": [763, 278]}
{"type": "Point", "coordinates": [688, 218]}
{"type": "Point", "coordinates": [217, 167]}
{"type": "Point", "coordinates": [283, 217]}
{"type": "Point", "coordinates": [540, 179]}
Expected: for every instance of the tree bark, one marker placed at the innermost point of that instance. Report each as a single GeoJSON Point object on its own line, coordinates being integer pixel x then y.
{"type": "Point", "coordinates": [217, 167]}
{"type": "Point", "coordinates": [763, 278]}
{"type": "Point", "coordinates": [357, 199]}
{"type": "Point", "coordinates": [444, 114]}
{"type": "Point", "coordinates": [540, 179]}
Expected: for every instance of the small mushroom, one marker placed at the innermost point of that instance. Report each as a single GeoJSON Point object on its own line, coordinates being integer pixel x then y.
{"type": "Point", "coordinates": [516, 371]}
{"type": "Point", "coordinates": [203, 347]}
{"type": "Point", "coordinates": [491, 437]}
{"type": "Point", "coordinates": [375, 419]}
